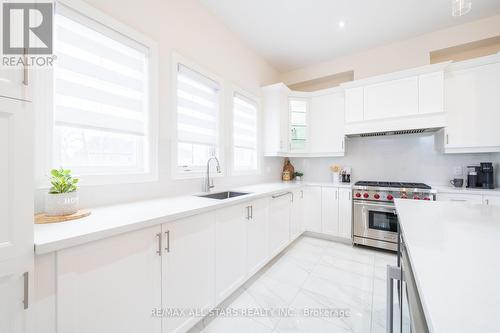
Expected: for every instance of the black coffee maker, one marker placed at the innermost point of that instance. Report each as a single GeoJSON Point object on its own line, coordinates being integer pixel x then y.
{"type": "Point", "coordinates": [481, 176]}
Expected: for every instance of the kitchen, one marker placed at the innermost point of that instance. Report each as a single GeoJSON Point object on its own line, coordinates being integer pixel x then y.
{"type": "Point", "coordinates": [145, 182]}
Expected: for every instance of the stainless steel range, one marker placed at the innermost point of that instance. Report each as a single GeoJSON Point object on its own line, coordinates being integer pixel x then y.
{"type": "Point", "coordinates": [375, 222]}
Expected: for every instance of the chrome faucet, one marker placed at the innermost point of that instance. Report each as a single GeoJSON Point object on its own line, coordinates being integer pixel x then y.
{"type": "Point", "coordinates": [208, 183]}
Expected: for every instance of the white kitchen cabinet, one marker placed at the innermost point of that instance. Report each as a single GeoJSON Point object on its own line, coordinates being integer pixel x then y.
{"type": "Point", "coordinates": [345, 213]}
{"type": "Point", "coordinates": [275, 106]}
{"type": "Point", "coordinates": [279, 222]}
{"type": "Point", "coordinates": [15, 82]}
{"type": "Point", "coordinates": [230, 249]}
{"type": "Point", "coordinates": [460, 197]}
{"type": "Point", "coordinates": [472, 106]}
{"type": "Point", "coordinates": [297, 214]}
{"type": "Point", "coordinates": [13, 315]}
{"type": "Point", "coordinates": [330, 210]}
{"type": "Point", "coordinates": [257, 235]}
{"type": "Point", "coordinates": [395, 98]}
{"type": "Point", "coordinates": [493, 200]}
{"type": "Point", "coordinates": [431, 92]}
{"type": "Point", "coordinates": [327, 123]}
{"type": "Point", "coordinates": [312, 215]}
{"type": "Point", "coordinates": [188, 268]}
{"type": "Point", "coordinates": [354, 104]}
{"type": "Point", "coordinates": [111, 285]}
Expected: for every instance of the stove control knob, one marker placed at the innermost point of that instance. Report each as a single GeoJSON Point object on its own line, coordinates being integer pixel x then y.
{"type": "Point", "coordinates": [358, 195]}
{"type": "Point", "coordinates": [376, 196]}
{"type": "Point", "coordinates": [366, 195]}
{"type": "Point", "coordinates": [427, 198]}
{"type": "Point", "coordinates": [416, 198]}
{"type": "Point", "coordinates": [390, 197]}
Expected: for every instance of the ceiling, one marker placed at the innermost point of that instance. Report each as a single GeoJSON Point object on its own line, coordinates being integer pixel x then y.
{"type": "Point", "coordinates": [291, 34]}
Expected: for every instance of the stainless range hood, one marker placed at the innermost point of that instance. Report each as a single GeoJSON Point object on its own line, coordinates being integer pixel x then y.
{"type": "Point", "coordinates": [397, 132]}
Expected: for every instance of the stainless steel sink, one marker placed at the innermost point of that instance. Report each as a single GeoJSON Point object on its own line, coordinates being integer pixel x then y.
{"type": "Point", "coordinates": [222, 195]}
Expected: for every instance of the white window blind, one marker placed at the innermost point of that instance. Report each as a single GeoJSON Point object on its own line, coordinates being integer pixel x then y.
{"type": "Point", "coordinates": [244, 133]}
{"type": "Point", "coordinates": [101, 97]}
{"type": "Point", "coordinates": [197, 119]}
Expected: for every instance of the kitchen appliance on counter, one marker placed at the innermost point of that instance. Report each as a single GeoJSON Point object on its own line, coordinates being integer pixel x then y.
{"type": "Point", "coordinates": [375, 222]}
{"type": "Point", "coordinates": [481, 176]}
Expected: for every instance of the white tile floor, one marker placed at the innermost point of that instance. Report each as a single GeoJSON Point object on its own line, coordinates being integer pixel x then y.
{"type": "Point", "coordinates": [312, 274]}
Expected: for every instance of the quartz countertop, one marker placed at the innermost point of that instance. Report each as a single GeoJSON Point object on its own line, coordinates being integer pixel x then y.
{"type": "Point", "coordinates": [453, 249]}
{"type": "Point", "coordinates": [465, 190]}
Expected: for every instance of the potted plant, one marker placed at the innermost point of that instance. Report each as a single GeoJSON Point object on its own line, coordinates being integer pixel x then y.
{"type": "Point", "coordinates": [298, 176]}
{"type": "Point", "coordinates": [62, 198]}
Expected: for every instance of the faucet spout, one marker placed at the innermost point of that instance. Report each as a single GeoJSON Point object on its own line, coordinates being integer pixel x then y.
{"type": "Point", "coordinates": [208, 182]}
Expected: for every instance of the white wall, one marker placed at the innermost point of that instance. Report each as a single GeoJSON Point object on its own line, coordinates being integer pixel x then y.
{"type": "Point", "coordinates": [189, 29]}
{"type": "Point", "coordinates": [398, 56]}
{"type": "Point", "coordinates": [395, 158]}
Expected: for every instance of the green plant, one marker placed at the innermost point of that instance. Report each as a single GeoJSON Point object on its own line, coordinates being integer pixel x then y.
{"type": "Point", "coordinates": [62, 181]}
{"type": "Point", "coordinates": [298, 174]}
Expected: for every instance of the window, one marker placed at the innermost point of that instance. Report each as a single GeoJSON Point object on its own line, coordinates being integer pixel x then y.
{"type": "Point", "coordinates": [198, 104]}
{"type": "Point", "coordinates": [298, 124]}
{"type": "Point", "coordinates": [244, 134]}
{"type": "Point", "coordinates": [102, 98]}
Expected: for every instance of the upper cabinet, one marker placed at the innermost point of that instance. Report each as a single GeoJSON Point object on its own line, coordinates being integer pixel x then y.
{"type": "Point", "coordinates": [472, 106]}
{"type": "Point", "coordinates": [303, 124]}
{"type": "Point", "coordinates": [410, 99]}
{"type": "Point", "coordinates": [15, 83]}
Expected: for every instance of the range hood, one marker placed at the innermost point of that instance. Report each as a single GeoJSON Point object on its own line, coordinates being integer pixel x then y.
{"type": "Point", "coordinates": [396, 132]}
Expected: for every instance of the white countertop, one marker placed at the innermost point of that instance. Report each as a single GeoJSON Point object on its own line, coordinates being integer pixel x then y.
{"type": "Point", "coordinates": [453, 249]}
{"type": "Point", "coordinates": [465, 190]}
{"type": "Point", "coordinates": [112, 220]}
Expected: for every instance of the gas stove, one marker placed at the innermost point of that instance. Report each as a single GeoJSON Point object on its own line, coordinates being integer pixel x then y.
{"type": "Point", "coordinates": [375, 221]}
{"type": "Point", "coordinates": [388, 191]}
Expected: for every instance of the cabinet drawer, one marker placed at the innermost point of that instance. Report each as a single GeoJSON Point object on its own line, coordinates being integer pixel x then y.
{"type": "Point", "coordinates": [461, 197]}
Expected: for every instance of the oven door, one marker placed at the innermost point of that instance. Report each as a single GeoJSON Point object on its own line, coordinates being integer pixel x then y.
{"type": "Point", "coordinates": [376, 221]}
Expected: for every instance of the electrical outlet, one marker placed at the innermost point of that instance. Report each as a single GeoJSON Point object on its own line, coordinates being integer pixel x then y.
{"type": "Point", "coordinates": [458, 171]}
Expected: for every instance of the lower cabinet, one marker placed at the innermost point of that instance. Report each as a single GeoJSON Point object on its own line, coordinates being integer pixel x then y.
{"type": "Point", "coordinates": [257, 236]}
{"type": "Point", "coordinates": [312, 211]}
{"type": "Point", "coordinates": [279, 222]}
{"type": "Point", "coordinates": [460, 197]}
{"type": "Point", "coordinates": [111, 285]}
{"type": "Point", "coordinates": [188, 269]}
{"type": "Point", "coordinates": [297, 214]}
{"type": "Point", "coordinates": [330, 210]}
{"type": "Point", "coordinates": [13, 315]}
{"type": "Point", "coordinates": [345, 213]}
{"type": "Point", "coordinates": [491, 200]}
{"type": "Point", "coordinates": [230, 249]}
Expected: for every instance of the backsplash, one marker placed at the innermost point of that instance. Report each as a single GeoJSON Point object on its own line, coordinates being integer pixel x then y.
{"type": "Point", "coordinates": [395, 158]}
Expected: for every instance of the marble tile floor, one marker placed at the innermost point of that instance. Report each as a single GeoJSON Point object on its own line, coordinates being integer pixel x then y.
{"type": "Point", "coordinates": [317, 281]}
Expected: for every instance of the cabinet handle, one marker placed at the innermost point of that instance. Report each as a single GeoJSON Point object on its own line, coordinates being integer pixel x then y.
{"type": "Point", "coordinates": [280, 195]}
{"type": "Point", "coordinates": [302, 194]}
{"type": "Point", "coordinates": [447, 140]}
{"type": "Point", "coordinates": [251, 212]}
{"type": "Point", "coordinates": [167, 248]}
{"type": "Point", "coordinates": [25, 68]}
{"type": "Point", "coordinates": [26, 290]}
{"type": "Point", "coordinates": [159, 244]}
{"type": "Point", "coordinates": [342, 143]}
{"type": "Point", "coordinates": [336, 195]}
{"type": "Point", "coordinates": [487, 201]}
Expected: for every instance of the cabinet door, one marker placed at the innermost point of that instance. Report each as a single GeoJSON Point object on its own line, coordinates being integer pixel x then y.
{"type": "Point", "coordinates": [297, 214]}
{"type": "Point", "coordinates": [354, 104]}
{"type": "Point", "coordinates": [257, 236]}
{"type": "Point", "coordinates": [16, 186]}
{"type": "Point", "coordinates": [230, 249]}
{"type": "Point", "coordinates": [300, 130]}
{"type": "Point", "coordinates": [13, 315]}
{"type": "Point", "coordinates": [472, 105]}
{"type": "Point", "coordinates": [460, 197]}
{"type": "Point", "coordinates": [330, 210]}
{"type": "Point", "coordinates": [312, 219]}
{"type": "Point", "coordinates": [275, 112]}
{"type": "Point", "coordinates": [390, 99]}
{"type": "Point", "coordinates": [188, 268]}
{"type": "Point", "coordinates": [491, 200]}
{"type": "Point", "coordinates": [327, 123]}
{"type": "Point", "coordinates": [431, 93]}
{"type": "Point", "coordinates": [279, 223]}
{"type": "Point", "coordinates": [345, 213]}
{"type": "Point", "coordinates": [111, 285]}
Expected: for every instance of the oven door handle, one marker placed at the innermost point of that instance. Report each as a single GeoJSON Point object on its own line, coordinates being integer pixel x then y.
{"type": "Point", "coordinates": [378, 208]}
{"type": "Point", "coordinates": [374, 205]}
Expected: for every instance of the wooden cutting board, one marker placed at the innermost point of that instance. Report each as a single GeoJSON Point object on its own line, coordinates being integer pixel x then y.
{"type": "Point", "coordinates": [43, 218]}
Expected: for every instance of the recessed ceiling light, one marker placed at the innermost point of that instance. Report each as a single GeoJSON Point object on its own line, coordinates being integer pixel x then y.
{"type": "Point", "coordinates": [341, 24]}
{"type": "Point", "coordinates": [460, 7]}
